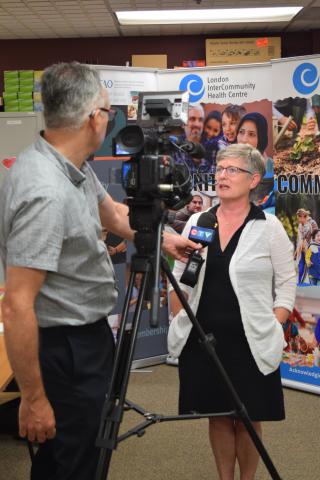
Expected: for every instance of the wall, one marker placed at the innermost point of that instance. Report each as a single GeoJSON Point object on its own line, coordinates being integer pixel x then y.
{"type": "Point", "coordinates": [37, 54]}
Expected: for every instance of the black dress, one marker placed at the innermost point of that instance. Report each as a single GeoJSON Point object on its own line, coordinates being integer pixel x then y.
{"type": "Point", "coordinates": [201, 388]}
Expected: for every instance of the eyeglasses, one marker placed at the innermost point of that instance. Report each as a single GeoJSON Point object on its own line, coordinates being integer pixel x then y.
{"type": "Point", "coordinates": [111, 113]}
{"type": "Point", "coordinates": [230, 171]}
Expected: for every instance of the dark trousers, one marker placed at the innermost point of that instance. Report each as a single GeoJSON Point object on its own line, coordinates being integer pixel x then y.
{"type": "Point", "coordinates": [76, 364]}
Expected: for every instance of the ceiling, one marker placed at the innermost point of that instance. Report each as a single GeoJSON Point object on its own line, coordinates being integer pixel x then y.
{"type": "Point", "coordinates": [23, 19]}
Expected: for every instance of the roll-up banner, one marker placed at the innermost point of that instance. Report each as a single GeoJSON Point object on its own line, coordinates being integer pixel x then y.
{"type": "Point", "coordinates": [123, 85]}
{"type": "Point", "coordinates": [296, 120]}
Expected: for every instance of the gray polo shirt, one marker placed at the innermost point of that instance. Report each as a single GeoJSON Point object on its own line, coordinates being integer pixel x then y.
{"type": "Point", "coordinates": [49, 220]}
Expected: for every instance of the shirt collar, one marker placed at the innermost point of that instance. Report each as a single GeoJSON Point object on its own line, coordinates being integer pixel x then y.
{"type": "Point", "coordinates": [255, 213]}
{"type": "Point", "coordinates": [76, 175]}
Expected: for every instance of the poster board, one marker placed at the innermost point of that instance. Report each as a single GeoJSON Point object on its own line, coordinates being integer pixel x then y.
{"type": "Point", "coordinates": [236, 51]}
{"type": "Point", "coordinates": [296, 101]}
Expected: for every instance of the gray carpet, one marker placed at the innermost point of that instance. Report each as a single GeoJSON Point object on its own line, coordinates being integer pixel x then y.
{"type": "Point", "coordinates": [180, 450]}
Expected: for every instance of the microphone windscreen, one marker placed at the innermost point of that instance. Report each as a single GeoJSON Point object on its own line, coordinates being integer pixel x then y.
{"type": "Point", "coordinates": [207, 220]}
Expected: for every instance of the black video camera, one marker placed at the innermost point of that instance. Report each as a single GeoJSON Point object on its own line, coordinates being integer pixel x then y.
{"type": "Point", "coordinates": [151, 172]}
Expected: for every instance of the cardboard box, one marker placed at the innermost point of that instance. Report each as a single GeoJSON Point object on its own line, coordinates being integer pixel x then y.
{"type": "Point", "coordinates": [37, 97]}
{"type": "Point", "coordinates": [8, 96]}
{"type": "Point", "coordinates": [37, 80]}
{"type": "Point", "coordinates": [9, 108]}
{"type": "Point", "coordinates": [149, 61]}
{"type": "Point", "coordinates": [12, 102]}
{"type": "Point", "coordinates": [25, 96]}
{"type": "Point", "coordinates": [11, 75]}
{"type": "Point", "coordinates": [25, 88]}
{"type": "Point", "coordinates": [231, 51]}
{"type": "Point", "coordinates": [26, 74]}
{"type": "Point", "coordinates": [38, 106]}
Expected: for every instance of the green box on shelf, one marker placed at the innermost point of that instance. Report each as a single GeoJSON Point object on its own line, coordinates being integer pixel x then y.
{"type": "Point", "coordinates": [11, 88]}
{"type": "Point", "coordinates": [11, 81]}
{"type": "Point", "coordinates": [10, 74]}
{"type": "Point", "coordinates": [7, 96]}
{"type": "Point", "coordinates": [26, 108]}
{"type": "Point", "coordinates": [25, 96]}
{"type": "Point", "coordinates": [26, 102]}
{"type": "Point", "coordinates": [12, 102]}
{"type": "Point", "coordinates": [25, 88]}
{"type": "Point", "coordinates": [9, 108]}
{"type": "Point", "coordinates": [26, 74]}
{"type": "Point", "coordinates": [26, 83]}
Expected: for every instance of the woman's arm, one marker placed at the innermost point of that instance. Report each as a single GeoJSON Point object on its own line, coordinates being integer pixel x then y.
{"type": "Point", "coordinates": [282, 314]}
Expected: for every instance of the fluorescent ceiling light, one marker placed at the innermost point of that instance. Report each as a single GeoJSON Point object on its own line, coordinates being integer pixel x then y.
{"type": "Point", "coordinates": [226, 15]}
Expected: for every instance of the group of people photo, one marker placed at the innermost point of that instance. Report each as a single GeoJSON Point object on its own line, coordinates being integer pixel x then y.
{"type": "Point", "coordinates": [216, 126]}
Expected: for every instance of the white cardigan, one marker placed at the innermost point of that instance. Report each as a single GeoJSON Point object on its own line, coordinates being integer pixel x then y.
{"type": "Point", "coordinates": [263, 277]}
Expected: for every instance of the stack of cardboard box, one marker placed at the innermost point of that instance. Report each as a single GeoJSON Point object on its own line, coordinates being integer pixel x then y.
{"type": "Point", "coordinates": [37, 101]}
{"type": "Point", "coordinates": [11, 88]}
{"type": "Point", "coordinates": [22, 91]}
{"type": "Point", "coordinates": [25, 91]}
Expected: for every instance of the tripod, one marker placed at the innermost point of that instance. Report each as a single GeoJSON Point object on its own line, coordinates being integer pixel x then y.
{"type": "Point", "coordinates": [144, 262]}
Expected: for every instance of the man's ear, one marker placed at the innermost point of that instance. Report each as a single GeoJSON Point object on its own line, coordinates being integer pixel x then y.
{"type": "Point", "coordinates": [94, 119]}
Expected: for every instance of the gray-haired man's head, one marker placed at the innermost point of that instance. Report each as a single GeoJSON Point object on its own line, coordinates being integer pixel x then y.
{"type": "Point", "coordinates": [70, 91]}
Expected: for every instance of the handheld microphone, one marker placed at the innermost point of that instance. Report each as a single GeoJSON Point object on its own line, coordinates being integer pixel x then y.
{"type": "Point", "coordinates": [204, 233]}
{"type": "Point", "coordinates": [194, 149]}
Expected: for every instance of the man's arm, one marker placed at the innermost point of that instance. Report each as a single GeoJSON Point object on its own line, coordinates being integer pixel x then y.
{"type": "Point", "coordinates": [36, 417]}
{"type": "Point", "coordinates": [114, 217]}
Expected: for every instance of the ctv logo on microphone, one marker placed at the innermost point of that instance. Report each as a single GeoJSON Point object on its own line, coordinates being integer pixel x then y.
{"type": "Point", "coordinates": [305, 78]}
{"type": "Point", "coordinates": [200, 234]}
{"type": "Point", "coordinates": [194, 85]}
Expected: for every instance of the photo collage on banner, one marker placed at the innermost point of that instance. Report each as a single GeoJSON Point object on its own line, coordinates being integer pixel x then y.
{"type": "Point", "coordinates": [296, 120]}
{"type": "Point", "coordinates": [226, 105]}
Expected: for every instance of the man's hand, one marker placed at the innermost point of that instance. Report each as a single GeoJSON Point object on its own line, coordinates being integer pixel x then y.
{"type": "Point", "coordinates": [179, 247]}
{"type": "Point", "coordinates": [36, 419]}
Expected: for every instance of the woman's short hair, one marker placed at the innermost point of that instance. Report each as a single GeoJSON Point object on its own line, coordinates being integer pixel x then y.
{"type": "Point", "coordinates": [262, 128]}
{"type": "Point", "coordinates": [250, 156]}
{"type": "Point", "coordinates": [70, 91]}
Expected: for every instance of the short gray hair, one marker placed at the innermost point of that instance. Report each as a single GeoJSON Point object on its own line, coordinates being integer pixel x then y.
{"type": "Point", "coordinates": [70, 91]}
{"type": "Point", "coordinates": [250, 156]}
{"type": "Point", "coordinates": [197, 106]}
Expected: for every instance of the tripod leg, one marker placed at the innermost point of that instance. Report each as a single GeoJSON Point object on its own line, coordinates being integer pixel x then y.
{"type": "Point", "coordinates": [114, 405]}
{"type": "Point", "coordinates": [208, 342]}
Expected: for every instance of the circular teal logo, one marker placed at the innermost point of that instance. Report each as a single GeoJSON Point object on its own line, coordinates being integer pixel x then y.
{"type": "Point", "coordinates": [194, 84]}
{"type": "Point", "coordinates": [305, 78]}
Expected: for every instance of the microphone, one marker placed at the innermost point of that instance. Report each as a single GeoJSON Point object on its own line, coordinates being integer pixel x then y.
{"type": "Point", "coordinates": [194, 149]}
{"type": "Point", "coordinates": [204, 233]}
{"type": "Point", "coordinates": [205, 230]}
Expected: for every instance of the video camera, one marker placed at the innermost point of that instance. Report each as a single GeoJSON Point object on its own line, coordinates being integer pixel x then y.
{"type": "Point", "coordinates": [151, 171]}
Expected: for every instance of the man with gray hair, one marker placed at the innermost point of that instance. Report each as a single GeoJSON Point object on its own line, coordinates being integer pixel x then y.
{"type": "Point", "coordinates": [193, 133]}
{"type": "Point", "coordinates": [60, 283]}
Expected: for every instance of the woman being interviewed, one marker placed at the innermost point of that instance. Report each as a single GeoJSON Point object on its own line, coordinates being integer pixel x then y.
{"type": "Point", "coordinates": [245, 291]}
